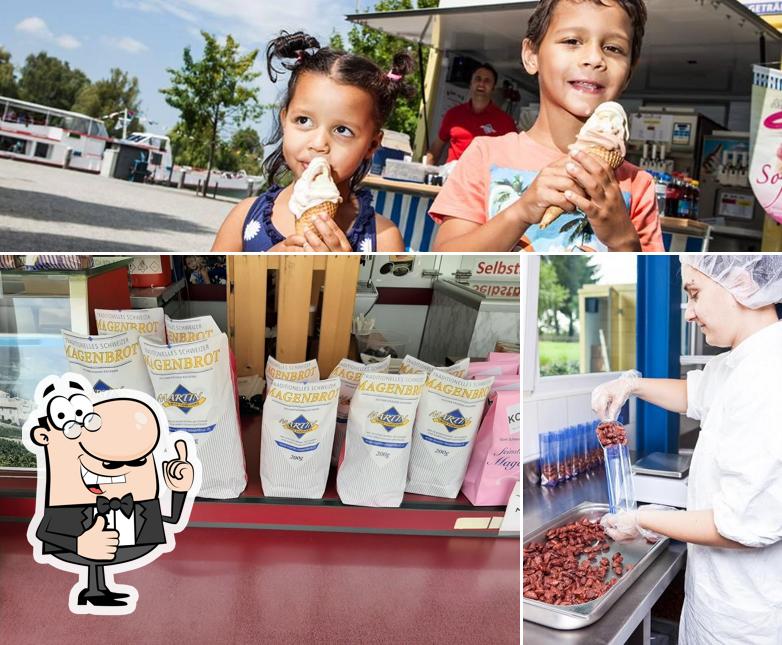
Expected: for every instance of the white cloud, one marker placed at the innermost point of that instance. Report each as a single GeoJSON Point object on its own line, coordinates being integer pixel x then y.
{"type": "Point", "coordinates": [66, 41]}
{"type": "Point", "coordinates": [37, 27]}
{"type": "Point", "coordinates": [125, 43]}
{"type": "Point", "coordinates": [34, 26]}
{"type": "Point", "coordinates": [157, 6]}
{"type": "Point", "coordinates": [253, 23]}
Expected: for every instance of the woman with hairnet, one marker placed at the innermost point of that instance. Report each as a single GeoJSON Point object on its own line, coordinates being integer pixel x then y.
{"type": "Point", "coordinates": [733, 521]}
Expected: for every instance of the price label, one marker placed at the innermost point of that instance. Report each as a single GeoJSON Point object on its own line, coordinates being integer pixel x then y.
{"type": "Point", "coordinates": [511, 523]}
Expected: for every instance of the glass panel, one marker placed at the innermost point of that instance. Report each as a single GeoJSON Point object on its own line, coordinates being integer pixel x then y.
{"type": "Point", "coordinates": [42, 150]}
{"type": "Point", "coordinates": [76, 124]}
{"type": "Point", "coordinates": [25, 360]}
{"type": "Point", "coordinates": [97, 129]}
{"type": "Point", "coordinates": [13, 144]}
{"type": "Point", "coordinates": [25, 116]}
{"type": "Point", "coordinates": [586, 314]}
{"type": "Point", "coordinates": [34, 304]}
{"type": "Point", "coordinates": [33, 310]}
{"type": "Point", "coordinates": [56, 121]}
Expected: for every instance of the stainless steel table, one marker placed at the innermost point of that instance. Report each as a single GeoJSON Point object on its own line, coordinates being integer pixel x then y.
{"type": "Point", "coordinates": [629, 620]}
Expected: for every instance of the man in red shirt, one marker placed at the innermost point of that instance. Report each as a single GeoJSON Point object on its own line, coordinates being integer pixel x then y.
{"type": "Point", "coordinates": [479, 117]}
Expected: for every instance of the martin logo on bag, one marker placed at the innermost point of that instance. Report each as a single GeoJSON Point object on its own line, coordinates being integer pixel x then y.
{"type": "Point", "coordinates": [377, 444]}
{"type": "Point", "coordinates": [390, 447]}
{"type": "Point", "coordinates": [298, 428]}
{"type": "Point", "coordinates": [349, 374]}
{"type": "Point", "coordinates": [147, 322]}
{"type": "Point", "coordinates": [453, 420]}
{"type": "Point", "coordinates": [390, 419]}
{"type": "Point", "coordinates": [108, 362]}
{"type": "Point", "coordinates": [192, 382]}
{"type": "Point", "coordinates": [412, 365]}
{"type": "Point", "coordinates": [443, 436]}
{"type": "Point", "coordinates": [183, 399]}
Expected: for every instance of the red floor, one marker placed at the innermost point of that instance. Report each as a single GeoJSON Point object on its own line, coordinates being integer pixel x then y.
{"type": "Point", "coordinates": [249, 586]}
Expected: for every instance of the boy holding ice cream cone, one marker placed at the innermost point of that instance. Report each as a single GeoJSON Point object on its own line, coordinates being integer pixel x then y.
{"type": "Point", "coordinates": [583, 52]}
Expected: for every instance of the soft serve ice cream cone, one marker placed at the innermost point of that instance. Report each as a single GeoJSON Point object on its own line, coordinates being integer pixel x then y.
{"type": "Point", "coordinates": [603, 136]}
{"type": "Point", "coordinates": [314, 193]}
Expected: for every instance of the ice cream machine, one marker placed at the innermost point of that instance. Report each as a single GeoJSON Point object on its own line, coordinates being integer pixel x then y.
{"type": "Point", "coordinates": [726, 196]}
{"type": "Point", "coordinates": [668, 139]}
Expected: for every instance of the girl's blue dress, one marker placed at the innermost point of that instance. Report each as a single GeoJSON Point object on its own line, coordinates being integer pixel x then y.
{"type": "Point", "coordinates": [259, 233]}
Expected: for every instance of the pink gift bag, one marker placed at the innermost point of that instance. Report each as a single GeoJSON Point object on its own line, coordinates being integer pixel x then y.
{"type": "Point", "coordinates": [505, 382]}
{"type": "Point", "coordinates": [494, 465]}
{"type": "Point", "coordinates": [486, 368]}
{"type": "Point", "coordinates": [504, 357]}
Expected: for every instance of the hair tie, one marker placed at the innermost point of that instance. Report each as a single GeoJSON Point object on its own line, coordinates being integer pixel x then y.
{"type": "Point", "coordinates": [394, 77]}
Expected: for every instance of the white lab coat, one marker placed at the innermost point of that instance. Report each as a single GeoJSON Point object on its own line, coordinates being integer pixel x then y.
{"type": "Point", "coordinates": [735, 595]}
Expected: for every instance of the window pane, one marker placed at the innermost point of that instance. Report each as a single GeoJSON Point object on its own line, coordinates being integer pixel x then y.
{"type": "Point", "coordinates": [586, 313]}
{"type": "Point", "coordinates": [56, 121]}
{"type": "Point", "coordinates": [76, 124]}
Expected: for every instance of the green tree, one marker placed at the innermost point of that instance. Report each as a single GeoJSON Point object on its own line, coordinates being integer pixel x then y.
{"type": "Point", "coordinates": [244, 151]}
{"type": "Point", "coordinates": [381, 48]}
{"type": "Point", "coordinates": [109, 95]}
{"type": "Point", "coordinates": [7, 78]}
{"type": "Point", "coordinates": [573, 272]}
{"type": "Point", "coordinates": [190, 145]}
{"type": "Point", "coordinates": [50, 81]}
{"type": "Point", "coordinates": [213, 91]}
{"type": "Point", "coordinates": [551, 296]}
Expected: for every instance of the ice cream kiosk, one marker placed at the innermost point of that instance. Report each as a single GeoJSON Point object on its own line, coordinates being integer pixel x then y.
{"type": "Point", "coordinates": [683, 63]}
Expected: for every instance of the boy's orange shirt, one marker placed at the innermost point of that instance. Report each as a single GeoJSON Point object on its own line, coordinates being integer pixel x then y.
{"type": "Point", "coordinates": [496, 171]}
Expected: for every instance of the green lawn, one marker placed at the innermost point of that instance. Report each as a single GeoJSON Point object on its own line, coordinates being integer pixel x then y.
{"type": "Point", "coordinates": [553, 351]}
{"type": "Point", "coordinates": [558, 358]}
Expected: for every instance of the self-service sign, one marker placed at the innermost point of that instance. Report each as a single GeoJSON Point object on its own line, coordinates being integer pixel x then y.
{"type": "Point", "coordinates": [496, 267]}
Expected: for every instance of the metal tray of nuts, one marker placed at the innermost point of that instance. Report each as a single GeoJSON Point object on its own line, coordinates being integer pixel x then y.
{"type": "Point", "coordinates": [638, 553]}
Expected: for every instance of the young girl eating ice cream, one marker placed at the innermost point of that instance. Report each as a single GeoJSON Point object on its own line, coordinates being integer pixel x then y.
{"type": "Point", "coordinates": [328, 129]}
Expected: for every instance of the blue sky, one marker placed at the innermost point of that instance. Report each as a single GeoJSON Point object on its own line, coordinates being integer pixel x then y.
{"type": "Point", "coordinates": [144, 37]}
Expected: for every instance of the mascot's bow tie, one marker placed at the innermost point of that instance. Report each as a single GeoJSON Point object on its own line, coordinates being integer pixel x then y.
{"type": "Point", "coordinates": [104, 505]}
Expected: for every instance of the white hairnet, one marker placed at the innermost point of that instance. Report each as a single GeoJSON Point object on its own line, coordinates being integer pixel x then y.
{"type": "Point", "coordinates": [754, 280]}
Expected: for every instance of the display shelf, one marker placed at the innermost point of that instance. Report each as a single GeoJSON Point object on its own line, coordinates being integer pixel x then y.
{"type": "Point", "coordinates": [47, 301]}
{"type": "Point", "coordinates": [102, 264]}
{"type": "Point", "coordinates": [418, 514]}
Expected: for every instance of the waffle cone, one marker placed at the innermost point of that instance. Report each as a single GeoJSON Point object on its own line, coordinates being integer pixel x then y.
{"type": "Point", "coordinates": [613, 158]}
{"type": "Point", "coordinates": [308, 217]}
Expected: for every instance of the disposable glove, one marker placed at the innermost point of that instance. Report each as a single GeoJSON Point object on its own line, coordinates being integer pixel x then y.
{"type": "Point", "coordinates": [623, 526]}
{"type": "Point", "coordinates": [608, 398]}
